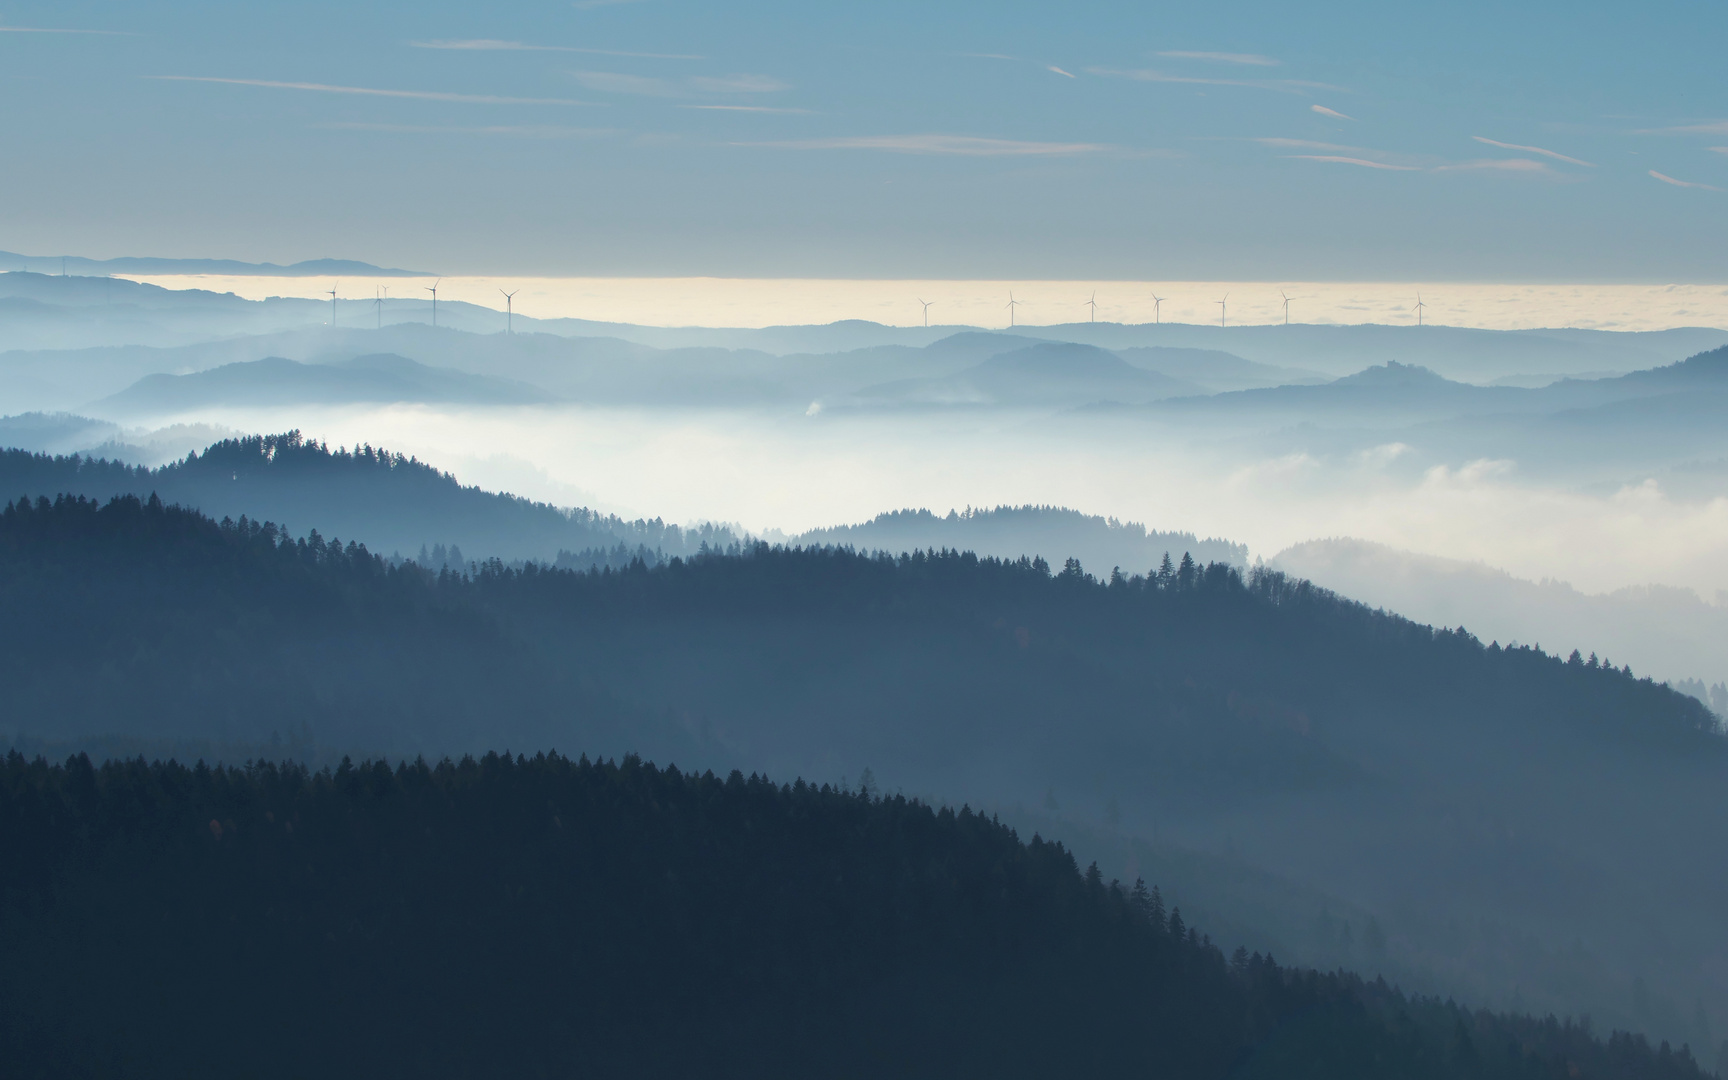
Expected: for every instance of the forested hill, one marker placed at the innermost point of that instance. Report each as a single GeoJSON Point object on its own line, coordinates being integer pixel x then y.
{"type": "Point", "coordinates": [391, 502]}
{"type": "Point", "coordinates": [1468, 794]}
{"type": "Point", "coordinates": [1011, 531]}
{"type": "Point", "coordinates": [547, 917]}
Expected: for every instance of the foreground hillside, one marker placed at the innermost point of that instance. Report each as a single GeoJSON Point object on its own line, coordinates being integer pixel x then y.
{"type": "Point", "coordinates": [1522, 826]}
{"type": "Point", "coordinates": [546, 917]}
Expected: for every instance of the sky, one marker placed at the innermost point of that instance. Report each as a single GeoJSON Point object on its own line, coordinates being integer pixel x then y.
{"type": "Point", "coordinates": [1580, 142]}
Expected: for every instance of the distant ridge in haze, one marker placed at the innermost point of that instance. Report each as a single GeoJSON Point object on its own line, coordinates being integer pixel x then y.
{"type": "Point", "coordinates": [1011, 531]}
{"type": "Point", "coordinates": [382, 377]}
{"type": "Point", "coordinates": [1044, 374]}
{"type": "Point", "coordinates": [228, 267]}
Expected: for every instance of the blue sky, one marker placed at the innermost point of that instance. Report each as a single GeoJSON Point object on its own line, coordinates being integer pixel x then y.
{"type": "Point", "coordinates": [1259, 141]}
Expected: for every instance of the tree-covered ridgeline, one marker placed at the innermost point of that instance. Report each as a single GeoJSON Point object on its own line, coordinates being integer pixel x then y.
{"type": "Point", "coordinates": [396, 501]}
{"type": "Point", "coordinates": [160, 606]}
{"type": "Point", "coordinates": [516, 916]}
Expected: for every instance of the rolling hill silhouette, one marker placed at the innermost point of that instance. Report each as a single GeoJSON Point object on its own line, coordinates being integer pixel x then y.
{"type": "Point", "coordinates": [1042, 375]}
{"type": "Point", "coordinates": [371, 379]}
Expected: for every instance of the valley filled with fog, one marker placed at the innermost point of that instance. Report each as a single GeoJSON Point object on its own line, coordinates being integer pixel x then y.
{"type": "Point", "coordinates": [1392, 463]}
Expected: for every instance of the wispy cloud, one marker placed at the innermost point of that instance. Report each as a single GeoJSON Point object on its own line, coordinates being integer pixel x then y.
{"type": "Point", "coordinates": [368, 91]}
{"type": "Point", "coordinates": [1533, 150]}
{"type": "Point", "coordinates": [523, 131]}
{"type": "Point", "coordinates": [1324, 111]}
{"type": "Point", "coordinates": [963, 145]}
{"type": "Point", "coordinates": [491, 45]}
{"type": "Point", "coordinates": [1337, 159]}
{"type": "Point", "coordinates": [1666, 179]}
{"type": "Point", "coordinates": [1520, 165]}
{"type": "Point", "coordinates": [1282, 86]}
{"type": "Point", "coordinates": [1059, 71]}
{"type": "Point", "coordinates": [1364, 157]}
{"type": "Point", "coordinates": [1717, 149]}
{"type": "Point", "coordinates": [738, 84]}
{"type": "Point", "coordinates": [1308, 144]}
{"type": "Point", "coordinates": [64, 30]}
{"type": "Point", "coordinates": [1250, 59]}
{"type": "Point", "coordinates": [749, 108]}
{"type": "Point", "coordinates": [1708, 127]}
{"type": "Point", "coordinates": [615, 82]}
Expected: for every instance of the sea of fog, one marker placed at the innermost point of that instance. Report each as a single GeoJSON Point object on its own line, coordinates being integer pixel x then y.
{"type": "Point", "coordinates": [753, 302]}
{"type": "Point", "coordinates": [784, 472]}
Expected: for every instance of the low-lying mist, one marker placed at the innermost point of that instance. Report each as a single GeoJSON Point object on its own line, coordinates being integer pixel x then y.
{"type": "Point", "coordinates": [779, 474]}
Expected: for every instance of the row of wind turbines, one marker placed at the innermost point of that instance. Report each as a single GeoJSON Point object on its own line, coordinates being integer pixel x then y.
{"type": "Point", "coordinates": [1091, 302]}
{"type": "Point", "coordinates": [382, 293]}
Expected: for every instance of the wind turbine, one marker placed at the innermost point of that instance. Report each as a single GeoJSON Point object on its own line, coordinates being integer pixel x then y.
{"type": "Point", "coordinates": [1222, 309]}
{"type": "Point", "coordinates": [1418, 309]}
{"type": "Point", "coordinates": [1012, 304]}
{"type": "Point", "coordinates": [332, 305]}
{"type": "Point", "coordinates": [1286, 307]}
{"type": "Point", "coordinates": [926, 304]}
{"type": "Point", "coordinates": [509, 313]}
{"type": "Point", "coordinates": [1093, 304]}
{"type": "Point", "coordinates": [433, 289]}
{"type": "Point", "coordinates": [1157, 309]}
{"type": "Point", "coordinates": [378, 302]}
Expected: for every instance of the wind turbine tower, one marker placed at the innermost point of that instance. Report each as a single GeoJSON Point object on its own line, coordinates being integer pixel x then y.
{"type": "Point", "coordinates": [1093, 304]}
{"type": "Point", "coordinates": [926, 304]}
{"type": "Point", "coordinates": [433, 289]}
{"type": "Point", "coordinates": [1012, 304]}
{"type": "Point", "coordinates": [509, 312]}
{"type": "Point", "coordinates": [1157, 309]}
{"type": "Point", "coordinates": [378, 302]}
{"type": "Point", "coordinates": [1286, 307]}
{"type": "Point", "coordinates": [1418, 309]}
{"type": "Point", "coordinates": [332, 305]}
{"type": "Point", "coordinates": [1222, 309]}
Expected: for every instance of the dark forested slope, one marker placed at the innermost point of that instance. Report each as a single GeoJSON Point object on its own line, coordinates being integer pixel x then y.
{"type": "Point", "coordinates": [515, 917]}
{"type": "Point", "coordinates": [1550, 825]}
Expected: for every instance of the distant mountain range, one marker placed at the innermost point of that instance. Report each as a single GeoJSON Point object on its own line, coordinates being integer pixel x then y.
{"type": "Point", "coordinates": [965, 370]}
{"type": "Point", "coordinates": [69, 264]}
{"type": "Point", "coordinates": [45, 311]}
